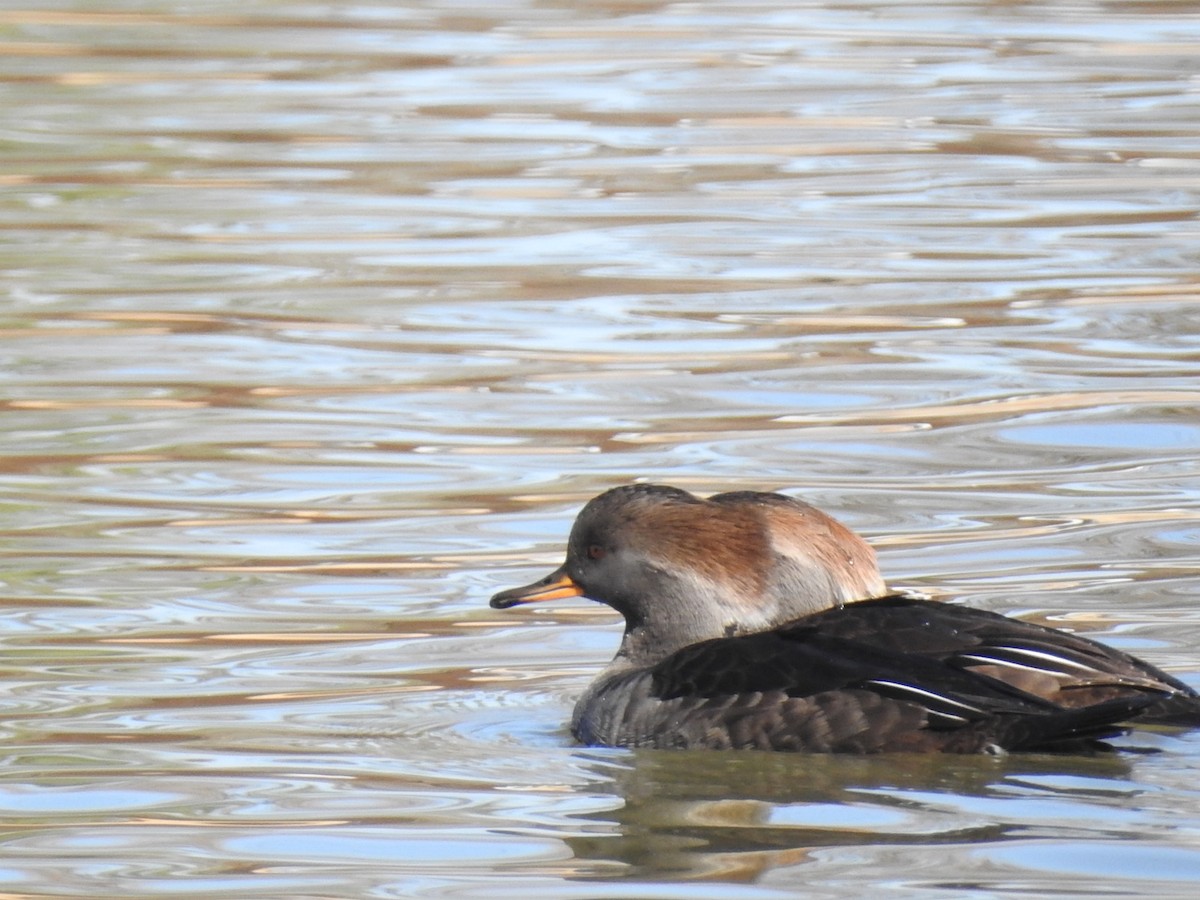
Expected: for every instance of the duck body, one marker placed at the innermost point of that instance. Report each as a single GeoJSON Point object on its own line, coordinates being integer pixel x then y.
{"type": "Point", "coordinates": [883, 675]}
{"type": "Point", "coordinates": [755, 621]}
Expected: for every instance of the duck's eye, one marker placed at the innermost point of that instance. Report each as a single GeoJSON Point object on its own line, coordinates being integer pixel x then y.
{"type": "Point", "coordinates": [595, 551]}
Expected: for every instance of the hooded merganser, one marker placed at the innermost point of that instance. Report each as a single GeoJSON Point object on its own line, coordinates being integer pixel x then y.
{"type": "Point", "coordinates": [754, 620]}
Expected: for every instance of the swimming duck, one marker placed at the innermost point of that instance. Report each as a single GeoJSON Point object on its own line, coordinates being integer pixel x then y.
{"type": "Point", "coordinates": [754, 620]}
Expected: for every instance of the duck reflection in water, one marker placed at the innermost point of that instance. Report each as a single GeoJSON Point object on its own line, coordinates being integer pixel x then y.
{"type": "Point", "coordinates": [756, 621]}
{"type": "Point", "coordinates": [741, 816]}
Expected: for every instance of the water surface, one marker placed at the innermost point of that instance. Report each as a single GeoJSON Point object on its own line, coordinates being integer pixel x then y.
{"type": "Point", "coordinates": [321, 322]}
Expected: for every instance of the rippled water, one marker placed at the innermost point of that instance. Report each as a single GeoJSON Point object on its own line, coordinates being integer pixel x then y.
{"type": "Point", "coordinates": [321, 322]}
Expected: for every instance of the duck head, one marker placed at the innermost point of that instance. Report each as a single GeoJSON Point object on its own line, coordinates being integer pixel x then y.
{"type": "Point", "coordinates": [682, 570]}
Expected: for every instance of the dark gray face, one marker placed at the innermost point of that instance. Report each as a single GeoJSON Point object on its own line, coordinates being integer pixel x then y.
{"type": "Point", "coordinates": [601, 562]}
{"type": "Point", "coordinates": [601, 554]}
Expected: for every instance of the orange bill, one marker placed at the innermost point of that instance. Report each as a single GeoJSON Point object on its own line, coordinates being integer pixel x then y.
{"type": "Point", "coordinates": [555, 586]}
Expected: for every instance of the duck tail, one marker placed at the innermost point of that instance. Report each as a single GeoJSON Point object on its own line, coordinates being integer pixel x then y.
{"type": "Point", "coordinates": [1179, 709]}
{"type": "Point", "coordinates": [1076, 729]}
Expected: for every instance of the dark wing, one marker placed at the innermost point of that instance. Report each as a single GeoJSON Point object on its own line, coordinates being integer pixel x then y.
{"type": "Point", "coordinates": [1065, 669]}
{"type": "Point", "coordinates": [803, 659]}
{"type": "Point", "coordinates": [799, 688]}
